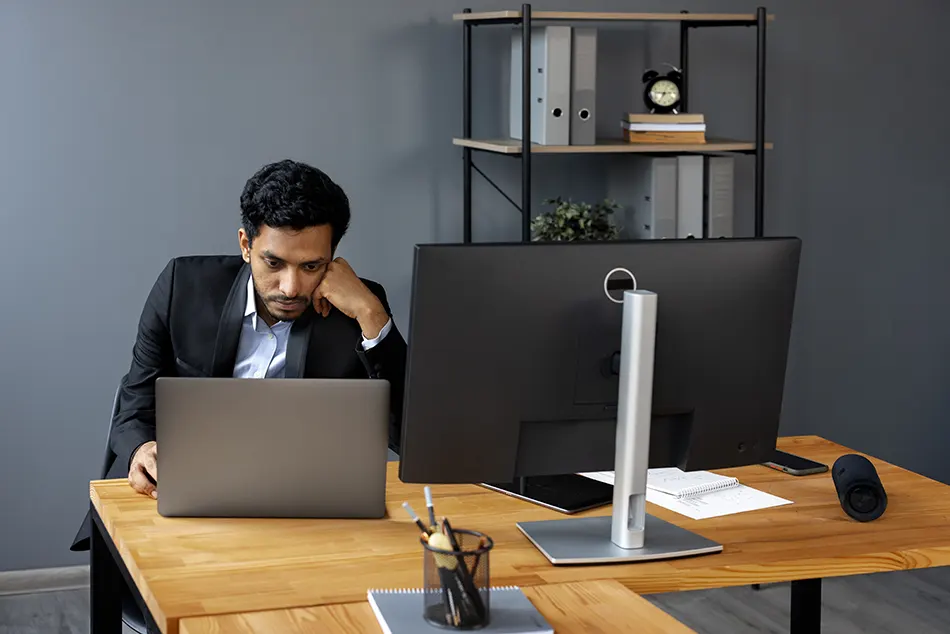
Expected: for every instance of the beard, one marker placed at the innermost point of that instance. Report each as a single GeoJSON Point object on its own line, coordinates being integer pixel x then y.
{"type": "Point", "coordinates": [272, 305]}
{"type": "Point", "coordinates": [282, 313]}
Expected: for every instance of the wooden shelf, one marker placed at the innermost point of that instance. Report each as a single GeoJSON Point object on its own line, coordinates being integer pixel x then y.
{"type": "Point", "coordinates": [584, 16]}
{"type": "Point", "coordinates": [610, 146]}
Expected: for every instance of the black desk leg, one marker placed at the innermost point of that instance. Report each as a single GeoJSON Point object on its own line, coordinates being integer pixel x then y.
{"type": "Point", "coordinates": [105, 587]}
{"type": "Point", "coordinates": [806, 606]}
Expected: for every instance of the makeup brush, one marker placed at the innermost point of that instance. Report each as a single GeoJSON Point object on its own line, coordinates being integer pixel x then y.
{"type": "Point", "coordinates": [462, 572]}
{"type": "Point", "coordinates": [441, 542]}
{"type": "Point", "coordinates": [453, 574]}
{"type": "Point", "coordinates": [452, 592]}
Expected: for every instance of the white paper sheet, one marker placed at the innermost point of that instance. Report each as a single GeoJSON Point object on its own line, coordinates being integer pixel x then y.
{"type": "Point", "coordinates": [607, 477]}
{"type": "Point", "coordinates": [738, 499]}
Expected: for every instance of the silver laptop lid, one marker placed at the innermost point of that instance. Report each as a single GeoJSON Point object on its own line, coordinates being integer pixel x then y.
{"type": "Point", "coordinates": [308, 448]}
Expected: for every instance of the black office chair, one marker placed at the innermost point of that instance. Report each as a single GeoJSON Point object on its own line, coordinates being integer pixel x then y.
{"type": "Point", "coordinates": [131, 614]}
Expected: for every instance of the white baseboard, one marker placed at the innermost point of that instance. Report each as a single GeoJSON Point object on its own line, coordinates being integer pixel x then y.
{"type": "Point", "coordinates": [43, 580]}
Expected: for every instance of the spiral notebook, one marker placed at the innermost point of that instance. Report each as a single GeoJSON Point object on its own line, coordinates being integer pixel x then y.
{"type": "Point", "coordinates": [400, 612]}
{"type": "Point", "coordinates": [698, 494]}
{"type": "Point", "coordinates": [682, 484]}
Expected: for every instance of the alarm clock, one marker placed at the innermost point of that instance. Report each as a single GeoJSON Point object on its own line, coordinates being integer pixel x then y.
{"type": "Point", "coordinates": [662, 93]}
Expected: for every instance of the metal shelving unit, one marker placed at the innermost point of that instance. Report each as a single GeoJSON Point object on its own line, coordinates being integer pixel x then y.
{"type": "Point", "coordinates": [524, 150]}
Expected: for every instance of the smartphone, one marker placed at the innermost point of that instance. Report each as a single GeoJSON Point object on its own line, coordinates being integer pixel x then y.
{"type": "Point", "coordinates": [794, 465]}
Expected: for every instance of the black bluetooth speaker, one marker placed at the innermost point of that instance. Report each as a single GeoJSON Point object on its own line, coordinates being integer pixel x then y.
{"type": "Point", "coordinates": [859, 488]}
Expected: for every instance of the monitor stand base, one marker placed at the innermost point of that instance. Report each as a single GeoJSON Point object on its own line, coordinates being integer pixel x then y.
{"type": "Point", "coordinates": [564, 493]}
{"type": "Point", "coordinates": [587, 540]}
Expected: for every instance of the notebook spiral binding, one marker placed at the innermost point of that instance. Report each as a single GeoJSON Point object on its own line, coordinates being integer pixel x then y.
{"type": "Point", "coordinates": [703, 489]}
{"type": "Point", "coordinates": [421, 590]}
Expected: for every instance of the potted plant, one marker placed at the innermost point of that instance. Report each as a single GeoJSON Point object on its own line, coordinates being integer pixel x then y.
{"type": "Point", "coordinates": [575, 221]}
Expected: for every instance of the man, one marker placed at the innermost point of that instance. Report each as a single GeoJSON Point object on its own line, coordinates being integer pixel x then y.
{"type": "Point", "coordinates": [286, 307]}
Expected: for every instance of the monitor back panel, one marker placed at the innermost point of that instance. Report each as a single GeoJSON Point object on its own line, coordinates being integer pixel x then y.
{"type": "Point", "coordinates": [510, 353]}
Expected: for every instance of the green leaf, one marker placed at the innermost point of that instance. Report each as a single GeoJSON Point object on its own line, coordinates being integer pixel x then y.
{"type": "Point", "coordinates": [573, 221]}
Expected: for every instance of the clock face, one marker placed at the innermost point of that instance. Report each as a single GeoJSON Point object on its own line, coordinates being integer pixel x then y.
{"type": "Point", "coordinates": [664, 93]}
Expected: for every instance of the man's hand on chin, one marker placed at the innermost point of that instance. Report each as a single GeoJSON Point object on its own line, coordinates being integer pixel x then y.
{"type": "Point", "coordinates": [143, 471]}
{"type": "Point", "coordinates": [347, 292]}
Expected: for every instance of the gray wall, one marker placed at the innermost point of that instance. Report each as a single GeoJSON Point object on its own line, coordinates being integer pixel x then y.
{"type": "Point", "coordinates": [127, 131]}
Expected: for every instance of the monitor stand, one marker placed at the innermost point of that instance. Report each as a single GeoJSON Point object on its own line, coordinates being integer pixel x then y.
{"type": "Point", "coordinates": [567, 493]}
{"type": "Point", "coordinates": [629, 534]}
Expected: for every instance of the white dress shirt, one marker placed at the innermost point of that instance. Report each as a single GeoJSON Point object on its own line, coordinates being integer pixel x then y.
{"type": "Point", "coordinates": [262, 349]}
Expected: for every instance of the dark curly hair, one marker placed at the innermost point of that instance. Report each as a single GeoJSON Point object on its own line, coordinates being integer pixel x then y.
{"type": "Point", "coordinates": [296, 195]}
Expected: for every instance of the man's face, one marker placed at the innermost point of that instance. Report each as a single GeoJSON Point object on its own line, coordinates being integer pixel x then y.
{"type": "Point", "coordinates": [287, 266]}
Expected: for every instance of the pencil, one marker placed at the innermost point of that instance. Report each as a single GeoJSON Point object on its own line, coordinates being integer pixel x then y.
{"type": "Point", "coordinates": [481, 544]}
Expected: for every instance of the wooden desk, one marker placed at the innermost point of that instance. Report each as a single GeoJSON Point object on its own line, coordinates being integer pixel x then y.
{"type": "Point", "coordinates": [197, 567]}
{"type": "Point", "coordinates": [581, 608]}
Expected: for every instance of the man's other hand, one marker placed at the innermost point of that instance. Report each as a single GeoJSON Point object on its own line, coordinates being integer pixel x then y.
{"type": "Point", "coordinates": [344, 290]}
{"type": "Point", "coordinates": [143, 472]}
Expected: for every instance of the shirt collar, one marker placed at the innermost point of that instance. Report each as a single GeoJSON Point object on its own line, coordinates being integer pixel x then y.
{"type": "Point", "coordinates": [250, 308]}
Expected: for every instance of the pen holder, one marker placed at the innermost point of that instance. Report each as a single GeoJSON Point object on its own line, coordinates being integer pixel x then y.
{"type": "Point", "coordinates": [457, 580]}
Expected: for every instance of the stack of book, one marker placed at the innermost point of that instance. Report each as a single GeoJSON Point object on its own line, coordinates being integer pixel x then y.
{"type": "Point", "coordinates": [664, 128]}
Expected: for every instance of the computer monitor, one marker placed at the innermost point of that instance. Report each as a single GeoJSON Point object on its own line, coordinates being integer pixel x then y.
{"type": "Point", "coordinates": [513, 361]}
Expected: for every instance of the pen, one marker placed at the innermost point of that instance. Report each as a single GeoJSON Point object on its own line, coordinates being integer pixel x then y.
{"type": "Point", "coordinates": [415, 518]}
{"type": "Point", "coordinates": [431, 508]}
{"type": "Point", "coordinates": [464, 576]}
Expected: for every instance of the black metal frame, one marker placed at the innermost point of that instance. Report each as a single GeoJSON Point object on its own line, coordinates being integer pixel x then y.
{"type": "Point", "coordinates": [806, 607]}
{"type": "Point", "coordinates": [805, 594]}
{"type": "Point", "coordinates": [760, 22]}
{"type": "Point", "coordinates": [108, 578]}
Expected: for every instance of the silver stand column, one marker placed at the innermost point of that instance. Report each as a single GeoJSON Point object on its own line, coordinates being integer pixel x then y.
{"type": "Point", "coordinates": [630, 534]}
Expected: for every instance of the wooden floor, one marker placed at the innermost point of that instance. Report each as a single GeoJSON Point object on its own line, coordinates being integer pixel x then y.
{"type": "Point", "coordinates": [889, 603]}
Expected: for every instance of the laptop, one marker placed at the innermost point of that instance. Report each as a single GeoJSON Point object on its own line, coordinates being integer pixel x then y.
{"type": "Point", "coordinates": [289, 448]}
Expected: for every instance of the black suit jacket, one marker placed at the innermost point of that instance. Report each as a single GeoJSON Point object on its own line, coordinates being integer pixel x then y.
{"type": "Point", "coordinates": [190, 326]}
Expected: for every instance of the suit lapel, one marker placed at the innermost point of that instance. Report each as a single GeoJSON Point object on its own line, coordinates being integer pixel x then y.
{"type": "Point", "coordinates": [330, 336]}
{"type": "Point", "coordinates": [229, 326]}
